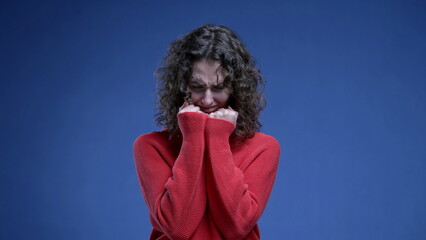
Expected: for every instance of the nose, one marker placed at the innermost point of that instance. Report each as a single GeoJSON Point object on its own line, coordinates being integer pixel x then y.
{"type": "Point", "coordinates": [207, 99]}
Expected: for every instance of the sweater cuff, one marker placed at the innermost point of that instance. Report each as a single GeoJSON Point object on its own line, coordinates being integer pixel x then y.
{"type": "Point", "coordinates": [191, 123]}
{"type": "Point", "coordinates": [216, 127]}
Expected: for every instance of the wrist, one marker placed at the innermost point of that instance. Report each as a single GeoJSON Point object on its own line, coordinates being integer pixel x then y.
{"type": "Point", "coordinates": [216, 127]}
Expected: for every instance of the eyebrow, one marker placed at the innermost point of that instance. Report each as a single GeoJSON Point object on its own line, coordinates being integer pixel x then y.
{"type": "Point", "coordinates": [197, 80]}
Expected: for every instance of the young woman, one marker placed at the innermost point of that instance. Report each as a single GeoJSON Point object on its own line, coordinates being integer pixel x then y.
{"type": "Point", "coordinates": [209, 174]}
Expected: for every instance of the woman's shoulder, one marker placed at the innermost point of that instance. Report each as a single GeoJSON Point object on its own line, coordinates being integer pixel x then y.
{"type": "Point", "coordinates": [152, 138]}
{"type": "Point", "coordinates": [264, 139]}
{"type": "Point", "coordinates": [264, 147]}
{"type": "Point", "coordinates": [258, 142]}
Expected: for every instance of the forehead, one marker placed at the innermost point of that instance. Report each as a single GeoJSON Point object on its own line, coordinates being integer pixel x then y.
{"type": "Point", "coordinates": [208, 71]}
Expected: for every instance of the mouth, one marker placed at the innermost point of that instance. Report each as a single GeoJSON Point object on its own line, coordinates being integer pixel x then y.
{"type": "Point", "coordinates": [208, 110]}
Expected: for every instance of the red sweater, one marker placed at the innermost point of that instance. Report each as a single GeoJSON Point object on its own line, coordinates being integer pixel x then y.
{"type": "Point", "coordinates": [200, 186]}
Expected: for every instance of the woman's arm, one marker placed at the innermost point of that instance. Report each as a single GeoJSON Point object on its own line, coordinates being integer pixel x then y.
{"type": "Point", "coordinates": [236, 198]}
{"type": "Point", "coordinates": [175, 193]}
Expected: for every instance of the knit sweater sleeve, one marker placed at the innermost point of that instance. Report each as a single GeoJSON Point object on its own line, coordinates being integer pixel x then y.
{"type": "Point", "coordinates": [238, 197]}
{"type": "Point", "coordinates": [175, 194]}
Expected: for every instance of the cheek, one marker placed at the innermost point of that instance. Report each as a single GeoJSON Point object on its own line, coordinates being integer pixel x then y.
{"type": "Point", "coordinates": [195, 97]}
{"type": "Point", "coordinates": [222, 98]}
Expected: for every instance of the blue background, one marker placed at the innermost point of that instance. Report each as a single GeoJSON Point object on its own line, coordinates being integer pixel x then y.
{"type": "Point", "coordinates": [346, 98]}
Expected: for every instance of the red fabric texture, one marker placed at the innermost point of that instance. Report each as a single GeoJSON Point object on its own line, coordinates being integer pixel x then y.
{"type": "Point", "coordinates": [201, 186]}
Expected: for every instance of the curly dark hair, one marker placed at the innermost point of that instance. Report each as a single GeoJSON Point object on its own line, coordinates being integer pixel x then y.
{"type": "Point", "coordinates": [217, 43]}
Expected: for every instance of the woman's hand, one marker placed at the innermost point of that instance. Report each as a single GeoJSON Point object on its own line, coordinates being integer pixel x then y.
{"type": "Point", "coordinates": [227, 114]}
{"type": "Point", "coordinates": [186, 107]}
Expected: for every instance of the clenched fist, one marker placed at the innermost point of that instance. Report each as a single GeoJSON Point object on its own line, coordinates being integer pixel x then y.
{"type": "Point", "coordinates": [227, 114]}
{"type": "Point", "coordinates": [186, 107]}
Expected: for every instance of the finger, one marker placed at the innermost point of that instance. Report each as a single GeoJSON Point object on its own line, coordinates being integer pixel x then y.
{"type": "Point", "coordinates": [185, 104]}
{"type": "Point", "coordinates": [230, 108]}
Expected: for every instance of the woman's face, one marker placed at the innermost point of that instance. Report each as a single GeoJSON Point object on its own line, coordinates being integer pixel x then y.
{"type": "Point", "coordinates": [206, 86]}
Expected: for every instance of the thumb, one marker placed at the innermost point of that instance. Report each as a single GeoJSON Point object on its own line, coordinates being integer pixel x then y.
{"type": "Point", "coordinates": [185, 104]}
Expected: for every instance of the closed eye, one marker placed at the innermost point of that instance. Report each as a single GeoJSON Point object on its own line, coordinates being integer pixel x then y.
{"type": "Point", "coordinates": [196, 86]}
{"type": "Point", "coordinates": [219, 87]}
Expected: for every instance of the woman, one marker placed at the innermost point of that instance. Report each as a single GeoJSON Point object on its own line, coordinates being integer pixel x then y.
{"type": "Point", "coordinates": [209, 174]}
